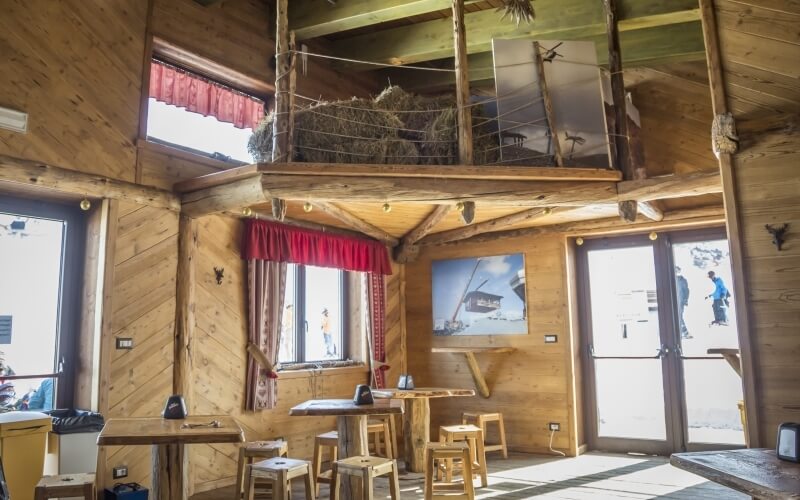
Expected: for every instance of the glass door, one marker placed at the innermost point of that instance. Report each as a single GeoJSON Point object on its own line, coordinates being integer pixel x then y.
{"type": "Point", "coordinates": [659, 332]}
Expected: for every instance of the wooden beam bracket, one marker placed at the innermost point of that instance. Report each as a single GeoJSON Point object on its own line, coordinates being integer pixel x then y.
{"type": "Point", "coordinates": [474, 368]}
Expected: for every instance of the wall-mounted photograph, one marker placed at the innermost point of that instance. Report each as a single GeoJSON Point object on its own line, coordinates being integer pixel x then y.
{"type": "Point", "coordinates": [480, 296]}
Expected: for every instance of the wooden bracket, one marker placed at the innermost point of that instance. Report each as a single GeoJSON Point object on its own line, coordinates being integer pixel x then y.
{"type": "Point", "coordinates": [469, 353]}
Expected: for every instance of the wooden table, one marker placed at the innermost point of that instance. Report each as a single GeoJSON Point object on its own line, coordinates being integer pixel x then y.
{"type": "Point", "coordinates": [168, 437]}
{"type": "Point", "coordinates": [417, 419]}
{"type": "Point", "coordinates": [352, 427]}
{"type": "Point", "coordinates": [756, 472]}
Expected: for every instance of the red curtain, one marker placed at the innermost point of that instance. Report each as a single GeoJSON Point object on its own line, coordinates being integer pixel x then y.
{"type": "Point", "coordinates": [276, 242]}
{"type": "Point", "coordinates": [179, 88]}
{"type": "Point", "coordinates": [376, 290]}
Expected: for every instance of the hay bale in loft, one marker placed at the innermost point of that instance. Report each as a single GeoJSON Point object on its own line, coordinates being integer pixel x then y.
{"type": "Point", "coordinates": [396, 127]}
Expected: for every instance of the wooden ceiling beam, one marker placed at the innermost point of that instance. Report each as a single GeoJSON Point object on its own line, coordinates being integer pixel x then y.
{"type": "Point", "coordinates": [232, 196]}
{"type": "Point", "coordinates": [651, 210]}
{"type": "Point", "coordinates": [356, 223]}
{"type": "Point", "coordinates": [408, 249]}
{"type": "Point", "coordinates": [694, 217]}
{"type": "Point", "coordinates": [497, 224]}
{"type": "Point", "coordinates": [40, 175]}
{"type": "Point", "coordinates": [645, 47]}
{"type": "Point", "coordinates": [309, 19]}
{"type": "Point", "coordinates": [556, 19]}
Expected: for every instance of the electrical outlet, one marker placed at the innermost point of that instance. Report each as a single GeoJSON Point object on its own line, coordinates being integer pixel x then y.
{"type": "Point", "coordinates": [124, 343]}
{"type": "Point", "coordinates": [119, 472]}
{"type": "Point", "coordinates": [550, 338]}
{"type": "Point", "coordinates": [554, 426]}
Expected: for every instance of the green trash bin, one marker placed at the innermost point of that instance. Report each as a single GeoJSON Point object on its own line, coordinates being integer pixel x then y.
{"type": "Point", "coordinates": [23, 440]}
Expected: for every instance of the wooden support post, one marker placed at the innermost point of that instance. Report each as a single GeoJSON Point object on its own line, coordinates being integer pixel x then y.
{"type": "Point", "coordinates": [353, 442]}
{"type": "Point", "coordinates": [168, 481]}
{"type": "Point", "coordinates": [477, 376]}
{"type": "Point", "coordinates": [462, 85]}
{"type": "Point", "coordinates": [627, 208]}
{"type": "Point", "coordinates": [357, 223]}
{"type": "Point", "coordinates": [416, 432]}
{"type": "Point", "coordinates": [484, 227]}
{"type": "Point", "coordinates": [720, 106]}
{"type": "Point", "coordinates": [280, 125]}
{"type": "Point", "coordinates": [548, 105]}
{"type": "Point", "coordinates": [292, 91]}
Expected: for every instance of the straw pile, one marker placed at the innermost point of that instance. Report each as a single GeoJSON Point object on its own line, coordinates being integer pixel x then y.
{"type": "Point", "coordinates": [396, 127]}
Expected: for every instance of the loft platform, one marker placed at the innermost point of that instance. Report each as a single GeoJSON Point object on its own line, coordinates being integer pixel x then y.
{"type": "Point", "coordinates": [475, 369]}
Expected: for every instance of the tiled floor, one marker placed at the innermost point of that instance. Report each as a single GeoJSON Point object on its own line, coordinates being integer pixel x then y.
{"type": "Point", "coordinates": [594, 475]}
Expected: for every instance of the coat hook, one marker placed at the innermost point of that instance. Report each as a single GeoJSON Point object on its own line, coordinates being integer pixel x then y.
{"type": "Point", "coordinates": [778, 234]}
{"type": "Point", "coordinates": [220, 273]}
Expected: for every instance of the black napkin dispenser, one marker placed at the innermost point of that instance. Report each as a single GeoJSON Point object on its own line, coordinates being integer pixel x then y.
{"type": "Point", "coordinates": [363, 395]}
{"type": "Point", "coordinates": [175, 409]}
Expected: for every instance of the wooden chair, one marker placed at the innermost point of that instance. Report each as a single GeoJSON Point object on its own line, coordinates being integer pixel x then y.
{"type": "Point", "coordinates": [447, 453]}
{"type": "Point", "coordinates": [473, 435]}
{"type": "Point", "coordinates": [380, 432]}
{"type": "Point", "coordinates": [367, 469]}
{"type": "Point", "coordinates": [260, 450]}
{"type": "Point", "coordinates": [279, 472]}
{"type": "Point", "coordinates": [329, 440]}
{"type": "Point", "coordinates": [481, 419]}
{"type": "Point", "coordinates": [65, 485]}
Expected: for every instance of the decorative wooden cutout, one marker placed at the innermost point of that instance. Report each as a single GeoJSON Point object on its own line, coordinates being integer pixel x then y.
{"type": "Point", "coordinates": [219, 273]}
{"type": "Point", "coordinates": [723, 135]}
{"type": "Point", "coordinates": [468, 213]}
{"type": "Point", "coordinates": [778, 234]}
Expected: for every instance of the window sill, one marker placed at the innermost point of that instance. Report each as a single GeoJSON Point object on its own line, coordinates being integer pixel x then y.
{"type": "Point", "coordinates": [289, 373]}
{"type": "Point", "coordinates": [186, 154]}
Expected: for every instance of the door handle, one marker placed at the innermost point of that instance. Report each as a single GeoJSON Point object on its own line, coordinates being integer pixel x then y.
{"type": "Point", "coordinates": [660, 353]}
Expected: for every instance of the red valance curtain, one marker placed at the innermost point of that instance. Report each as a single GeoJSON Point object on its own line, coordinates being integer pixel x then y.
{"type": "Point", "coordinates": [267, 240]}
{"type": "Point", "coordinates": [198, 95]}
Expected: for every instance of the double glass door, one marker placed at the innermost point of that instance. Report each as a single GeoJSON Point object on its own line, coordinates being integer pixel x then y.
{"type": "Point", "coordinates": [658, 321]}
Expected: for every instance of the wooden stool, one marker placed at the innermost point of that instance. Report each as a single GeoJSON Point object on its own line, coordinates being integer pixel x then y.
{"type": "Point", "coordinates": [279, 472]}
{"type": "Point", "coordinates": [448, 452]}
{"type": "Point", "coordinates": [367, 468]}
{"type": "Point", "coordinates": [257, 449]}
{"type": "Point", "coordinates": [380, 430]}
{"type": "Point", "coordinates": [329, 440]}
{"type": "Point", "coordinates": [65, 485]}
{"type": "Point", "coordinates": [472, 435]}
{"type": "Point", "coordinates": [481, 420]}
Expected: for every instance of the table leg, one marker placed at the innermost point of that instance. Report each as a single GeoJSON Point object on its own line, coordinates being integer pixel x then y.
{"type": "Point", "coordinates": [353, 441]}
{"type": "Point", "coordinates": [169, 482]}
{"type": "Point", "coordinates": [416, 432]}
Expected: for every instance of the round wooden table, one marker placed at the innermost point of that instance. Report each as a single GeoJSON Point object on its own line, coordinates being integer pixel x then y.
{"type": "Point", "coordinates": [417, 418]}
{"type": "Point", "coordinates": [352, 427]}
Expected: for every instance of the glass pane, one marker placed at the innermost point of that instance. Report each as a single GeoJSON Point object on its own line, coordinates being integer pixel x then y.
{"type": "Point", "coordinates": [624, 304]}
{"type": "Point", "coordinates": [713, 392]}
{"type": "Point", "coordinates": [323, 306]}
{"type": "Point", "coordinates": [30, 267]}
{"type": "Point", "coordinates": [706, 314]}
{"type": "Point", "coordinates": [287, 352]}
{"type": "Point", "coordinates": [630, 399]}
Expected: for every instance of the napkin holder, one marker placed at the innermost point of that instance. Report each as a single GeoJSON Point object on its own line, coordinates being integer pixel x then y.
{"type": "Point", "coordinates": [175, 408]}
{"type": "Point", "coordinates": [406, 382]}
{"type": "Point", "coordinates": [363, 395]}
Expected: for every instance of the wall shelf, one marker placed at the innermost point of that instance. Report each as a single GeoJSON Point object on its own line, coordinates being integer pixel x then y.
{"type": "Point", "coordinates": [469, 353]}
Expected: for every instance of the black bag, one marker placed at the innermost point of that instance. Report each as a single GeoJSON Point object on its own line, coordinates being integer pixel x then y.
{"type": "Point", "coordinates": [76, 421]}
{"type": "Point", "coordinates": [126, 491]}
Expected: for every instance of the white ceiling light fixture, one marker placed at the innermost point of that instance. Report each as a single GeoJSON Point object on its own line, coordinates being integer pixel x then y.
{"type": "Point", "coordinates": [13, 120]}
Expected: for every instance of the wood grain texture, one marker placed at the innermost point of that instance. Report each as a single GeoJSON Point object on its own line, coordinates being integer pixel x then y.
{"type": "Point", "coordinates": [342, 407]}
{"type": "Point", "coordinates": [422, 392]}
{"type": "Point", "coordinates": [157, 430]}
{"type": "Point", "coordinates": [758, 58]}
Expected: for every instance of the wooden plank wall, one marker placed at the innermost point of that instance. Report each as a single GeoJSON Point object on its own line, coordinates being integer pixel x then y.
{"type": "Point", "coordinates": [142, 308]}
{"type": "Point", "coordinates": [760, 47]}
{"type": "Point", "coordinates": [531, 386]}
{"type": "Point", "coordinates": [218, 360]}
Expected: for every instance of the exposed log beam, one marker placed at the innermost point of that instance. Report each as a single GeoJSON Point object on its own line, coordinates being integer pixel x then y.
{"type": "Point", "coordinates": [357, 223]}
{"type": "Point", "coordinates": [30, 173]}
{"type": "Point", "coordinates": [696, 217]}
{"type": "Point", "coordinates": [670, 186]}
{"type": "Point", "coordinates": [495, 192]}
{"type": "Point", "coordinates": [407, 249]}
{"type": "Point", "coordinates": [556, 19]}
{"type": "Point", "coordinates": [488, 226]}
{"type": "Point", "coordinates": [263, 214]}
{"type": "Point", "coordinates": [641, 47]}
{"type": "Point", "coordinates": [224, 197]}
{"type": "Point", "coordinates": [651, 210]}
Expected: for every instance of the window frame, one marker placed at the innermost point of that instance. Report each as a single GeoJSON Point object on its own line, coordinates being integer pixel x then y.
{"type": "Point", "coordinates": [70, 287]}
{"type": "Point", "coordinates": [300, 332]}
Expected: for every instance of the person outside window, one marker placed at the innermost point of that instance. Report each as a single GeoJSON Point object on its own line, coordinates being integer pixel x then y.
{"type": "Point", "coordinates": [720, 296]}
{"type": "Point", "coordinates": [330, 349]}
{"type": "Point", "coordinates": [682, 286]}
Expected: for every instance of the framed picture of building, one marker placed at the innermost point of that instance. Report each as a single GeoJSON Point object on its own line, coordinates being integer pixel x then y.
{"type": "Point", "coordinates": [480, 296]}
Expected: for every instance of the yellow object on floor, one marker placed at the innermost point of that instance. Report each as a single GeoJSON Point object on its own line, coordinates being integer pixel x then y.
{"type": "Point", "coordinates": [23, 436]}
